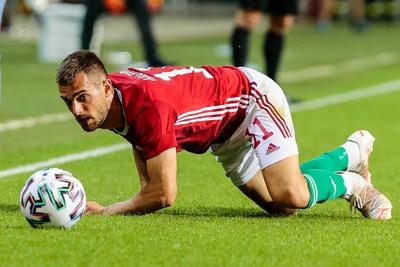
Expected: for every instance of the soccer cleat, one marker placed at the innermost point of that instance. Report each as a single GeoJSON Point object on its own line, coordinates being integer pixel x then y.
{"type": "Point", "coordinates": [371, 203]}
{"type": "Point", "coordinates": [365, 142]}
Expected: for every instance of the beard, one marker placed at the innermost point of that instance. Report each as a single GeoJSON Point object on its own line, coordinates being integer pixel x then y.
{"type": "Point", "coordinates": [87, 124]}
{"type": "Point", "coordinates": [90, 124]}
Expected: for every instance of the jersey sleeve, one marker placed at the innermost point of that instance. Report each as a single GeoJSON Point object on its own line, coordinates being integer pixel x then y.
{"type": "Point", "coordinates": [154, 129]}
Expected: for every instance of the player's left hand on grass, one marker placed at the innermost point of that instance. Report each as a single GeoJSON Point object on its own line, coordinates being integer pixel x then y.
{"type": "Point", "coordinates": [94, 208]}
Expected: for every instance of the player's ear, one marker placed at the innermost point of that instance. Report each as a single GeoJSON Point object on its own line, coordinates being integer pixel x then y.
{"type": "Point", "coordinates": [108, 88]}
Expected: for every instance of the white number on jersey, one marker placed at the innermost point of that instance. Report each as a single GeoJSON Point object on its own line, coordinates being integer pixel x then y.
{"type": "Point", "coordinates": [166, 76]}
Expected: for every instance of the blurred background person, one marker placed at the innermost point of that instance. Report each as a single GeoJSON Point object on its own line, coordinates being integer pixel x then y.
{"type": "Point", "coordinates": [249, 13]}
{"type": "Point", "coordinates": [143, 19]}
{"type": "Point", "coordinates": [356, 14]}
{"type": "Point", "coordinates": [4, 15]}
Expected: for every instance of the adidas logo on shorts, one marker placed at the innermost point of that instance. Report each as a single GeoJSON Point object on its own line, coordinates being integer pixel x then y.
{"type": "Point", "coordinates": [272, 148]}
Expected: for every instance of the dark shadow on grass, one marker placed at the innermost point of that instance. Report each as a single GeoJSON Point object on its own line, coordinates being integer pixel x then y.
{"type": "Point", "coordinates": [345, 216]}
{"type": "Point", "coordinates": [231, 212]}
{"type": "Point", "coordinates": [216, 212]}
{"type": "Point", "coordinates": [9, 208]}
{"type": "Point", "coordinates": [228, 212]}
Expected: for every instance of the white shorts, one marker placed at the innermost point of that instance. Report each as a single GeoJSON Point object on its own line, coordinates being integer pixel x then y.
{"type": "Point", "coordinates": [266, 135]}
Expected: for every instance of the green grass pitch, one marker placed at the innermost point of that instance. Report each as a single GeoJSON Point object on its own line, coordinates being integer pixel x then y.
{"type": "Point", "coordinates": [212, 223]}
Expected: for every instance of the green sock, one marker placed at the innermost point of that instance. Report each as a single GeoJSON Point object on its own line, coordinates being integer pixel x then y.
{"type": "Point", "coordinates": [323, 185]}
{"type": "Point", "coordinates": [335, 160]}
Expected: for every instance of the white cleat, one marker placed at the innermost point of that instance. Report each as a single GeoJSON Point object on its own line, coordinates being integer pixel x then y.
{"type": "Point", "coordinates": [371, 203]}
{"type": "Point", "coordinates": [365, 142]}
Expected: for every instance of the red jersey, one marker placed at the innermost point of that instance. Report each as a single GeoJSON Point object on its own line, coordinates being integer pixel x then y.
{"type": "Point", "coordinates": [184, 107]}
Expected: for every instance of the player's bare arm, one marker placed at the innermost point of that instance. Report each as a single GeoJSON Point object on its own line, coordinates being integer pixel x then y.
{"type": "Point", "coordinates": [141, 167]}
{"type": "Point", "coordinates": [96, 208]}
{"type": "Point", "coordinates": [159, 190]}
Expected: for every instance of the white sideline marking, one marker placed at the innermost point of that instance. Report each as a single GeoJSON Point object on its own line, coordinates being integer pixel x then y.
{"type": "Point", "coordinates": [63, 159]}
{"type": "Point", "coordinates": [33, 121]}
{"type": "Point", "coordinates": [356, 64]}
{"type": "Point", "coordinates": [348, 96]}
{"type": "Point", "coordinates": [307, 105]}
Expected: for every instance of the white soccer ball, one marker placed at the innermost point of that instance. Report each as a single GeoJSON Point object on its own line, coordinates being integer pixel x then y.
{"type": "Point", "coordinates": [52, 197]}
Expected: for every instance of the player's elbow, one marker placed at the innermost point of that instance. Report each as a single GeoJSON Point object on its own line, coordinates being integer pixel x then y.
{"type": "Point", "coordinates": [168, 198]}
{"type": "Point", "coordinates": [164, 197]}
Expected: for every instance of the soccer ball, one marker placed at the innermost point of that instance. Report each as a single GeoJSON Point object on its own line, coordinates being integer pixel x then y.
{"type": "Point", "coordinates": [52, 197]}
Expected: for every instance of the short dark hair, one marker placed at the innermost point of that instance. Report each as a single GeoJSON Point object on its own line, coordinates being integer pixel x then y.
{"type": "Point", "coordinates": [76, 62]}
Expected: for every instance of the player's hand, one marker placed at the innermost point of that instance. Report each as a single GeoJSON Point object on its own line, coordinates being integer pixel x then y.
{"type": "Point", "coordinates": [94, 208]}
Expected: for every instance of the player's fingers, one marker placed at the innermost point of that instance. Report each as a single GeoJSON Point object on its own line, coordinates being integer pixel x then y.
{"type": "Point", "coordinates": [93, 208]}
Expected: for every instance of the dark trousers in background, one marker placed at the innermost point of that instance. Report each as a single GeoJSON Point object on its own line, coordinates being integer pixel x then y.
{"type": "Point", "coordinates": [137, 8]}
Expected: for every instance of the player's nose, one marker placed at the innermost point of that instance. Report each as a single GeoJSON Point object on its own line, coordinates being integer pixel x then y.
{"type": "Point", "coordinates": [76, 109]}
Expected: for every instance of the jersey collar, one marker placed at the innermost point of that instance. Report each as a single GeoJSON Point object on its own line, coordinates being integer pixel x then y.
{"type": "Point", "coordinates": [126, 125]}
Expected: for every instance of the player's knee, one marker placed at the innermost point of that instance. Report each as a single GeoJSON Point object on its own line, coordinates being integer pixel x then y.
{"type": "Point", "coordinates": [298, 200]}
{"type": "Point", "coordinates": [281, 24]}
{"type": "Point", "coordinates": [248, 19]}
{"type": "Point", "coordinates": [283, 212]}
{"type": "Point", "coordinates": [291, 197]}
{"type": "Point", "coordinates": [289, 212]}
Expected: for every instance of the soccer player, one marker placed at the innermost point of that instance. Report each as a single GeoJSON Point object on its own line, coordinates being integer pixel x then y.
{"type": "Point", "coordinates": [357, 15]}
{"type": "Point", "coordinates": [239, 114]}
{"type": "Point", "coordinates": [138, 8]}
{"type": "Point", "coordinates": [281, 18]}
